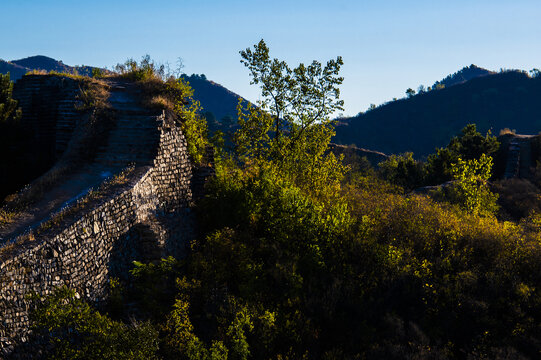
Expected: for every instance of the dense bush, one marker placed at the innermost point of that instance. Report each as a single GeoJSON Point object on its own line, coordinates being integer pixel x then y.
{"type": "Point", "coordinates": [403, 170]}
{"type": "Point", "coordinates": [469, 145]}
{"type": "Point", "coordinates": [142, 70]}
{"type": "Point", "coordinates": [75, 330]}
{"type": "Point", "coordinates": [470, 189]}
{"type": "Point", "coordinates": [465, 283]}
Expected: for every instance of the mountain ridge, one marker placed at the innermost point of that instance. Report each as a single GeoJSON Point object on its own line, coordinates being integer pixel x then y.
{"type": "Point", "coordinates": [17, 68]}
{"type": "Point", "coordinates": [422, 122]}
{"type": "Point", "coordinates": [465, 74]}
{"type": "Point", "coordinates": [218, 102]}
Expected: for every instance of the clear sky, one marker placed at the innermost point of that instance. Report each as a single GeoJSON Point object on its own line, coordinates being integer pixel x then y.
{"type": "Point", "coordinates": [387, 45]}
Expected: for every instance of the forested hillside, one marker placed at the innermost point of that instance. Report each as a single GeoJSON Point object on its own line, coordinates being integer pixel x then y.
{"type": "Point", "coordinates": [429, 119]}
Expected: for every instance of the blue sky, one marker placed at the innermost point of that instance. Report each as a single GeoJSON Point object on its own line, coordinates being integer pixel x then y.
{"type": "Point", "coordinates": [387, 46]}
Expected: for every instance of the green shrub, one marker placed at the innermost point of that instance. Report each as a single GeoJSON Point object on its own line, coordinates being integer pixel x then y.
{"type": "Point", "coordinates": [470, 189]}
{"type": "Point", "coordinates": [74, 330]}
{"type": "Point", "coordinates": [403, 170]}
{"type": "Point", "coordinates": [97, 73]}
{"type": "Point", "coordinates": [144, 70]}
{"type": "Point", "coordinates": [469, 145]}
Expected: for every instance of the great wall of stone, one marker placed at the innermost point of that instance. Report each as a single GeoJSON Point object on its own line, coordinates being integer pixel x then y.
{"type": "Point", "coordinates": [146, 217]}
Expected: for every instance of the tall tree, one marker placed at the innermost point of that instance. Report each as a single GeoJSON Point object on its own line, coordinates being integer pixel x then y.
{"type": "Point", "coordinates": [302, 96]}
{"type": "Point", "coordinates": [291, 126]}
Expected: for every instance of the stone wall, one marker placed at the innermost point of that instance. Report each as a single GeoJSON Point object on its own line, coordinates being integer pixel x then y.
{"type": "Point", "coordinates": [41, 137]}
{"type": "Point", "coordinates": [146, 219]}
{"type": "Point", "coordinates": [48, 112]}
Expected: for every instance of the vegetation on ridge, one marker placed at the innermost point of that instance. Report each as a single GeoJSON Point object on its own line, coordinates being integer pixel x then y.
{"type": "Point", "coordinates": [169, 91]}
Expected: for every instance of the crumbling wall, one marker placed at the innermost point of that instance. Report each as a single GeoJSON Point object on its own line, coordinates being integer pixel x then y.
{"type": "Point", "coordinates": [41, 137]}
{"type": "Point", "coordinates": [151, 211]}
{"type": "Point", "coordinates": [48, 112]}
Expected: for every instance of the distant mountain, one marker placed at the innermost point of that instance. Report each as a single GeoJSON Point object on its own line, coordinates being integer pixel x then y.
{"type": "Point", "coordinates": [219, 104]}
{"type": "Point", "coordinates": [17, 68]}
{"type": "Point", "coordinates": [41, 62]}
{"type": "Point", "coordinates": [430, 119]}
{"type": "Point", "coordinates": [15, 71]}
{"type": "Point", "coordinates": [463, 75]}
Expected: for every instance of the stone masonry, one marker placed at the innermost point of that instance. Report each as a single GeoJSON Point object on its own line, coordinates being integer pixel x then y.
{"type": "Point", "coordinates": [147, 218]}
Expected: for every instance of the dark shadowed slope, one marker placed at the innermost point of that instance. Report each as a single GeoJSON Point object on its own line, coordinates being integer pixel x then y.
{"type": "Point", "coordinates": [215, 98]}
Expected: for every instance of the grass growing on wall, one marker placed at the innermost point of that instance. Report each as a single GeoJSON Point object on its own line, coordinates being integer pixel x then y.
{"type": "Point", "coordinates": [169, 92]}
